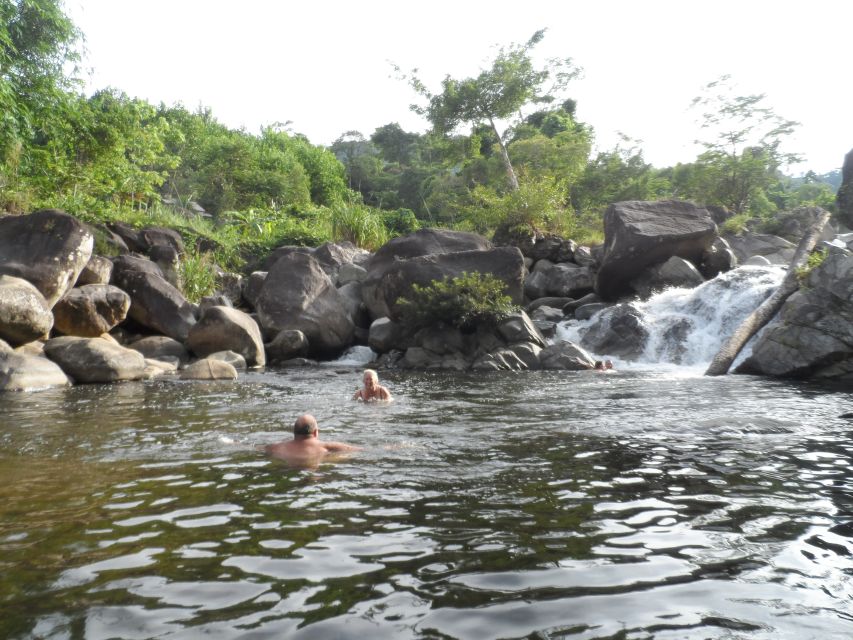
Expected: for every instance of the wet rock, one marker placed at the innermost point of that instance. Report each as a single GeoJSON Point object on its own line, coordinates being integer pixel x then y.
{"type": "Point", "coordinates": [297, 294]}
{"type": "Point", "coordinates": [22, 372]}
{"type": "Point", "coordinates": [227, 329]}
{"type": "Point", "coordinates": [24, 313]}
{"type": "Point", "coordinates": [208, 369]}
{"type": "Point", "coordinates": [566, 356]}
{"type": "Point", "coordinates": [160, 348]}
{"type": "Point", "coordinates": [95, 359]}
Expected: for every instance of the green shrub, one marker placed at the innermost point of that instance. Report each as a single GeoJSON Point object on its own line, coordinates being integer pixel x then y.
{"type": "Point", "coordinates": [198, 275]}
{"type": "Point", "coordinates": [464, 302]}
{"type": "Point", "coordinates": [360, 224]}
{"type": "Point", "coordinates": [400, 222]}
{"type": "Point", "coordinates": [737, 224]}
{"type": "Point", "coordinates": [815, 259]}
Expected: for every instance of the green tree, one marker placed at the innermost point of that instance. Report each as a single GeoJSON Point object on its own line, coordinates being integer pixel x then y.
{"type": "Point", "coordinates": [37, 40]}
{"type": "Point", "coordinates": [743, 153]}
{"type": "Point", "coordinates": [497, 93]}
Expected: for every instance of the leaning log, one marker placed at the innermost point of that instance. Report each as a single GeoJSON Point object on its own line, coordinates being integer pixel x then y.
{"type": "Point", "coordinates": [764, 313]}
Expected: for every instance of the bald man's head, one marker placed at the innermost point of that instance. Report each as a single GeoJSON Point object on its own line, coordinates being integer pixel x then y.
{"type": "Point", "coordinates": [305, 425]}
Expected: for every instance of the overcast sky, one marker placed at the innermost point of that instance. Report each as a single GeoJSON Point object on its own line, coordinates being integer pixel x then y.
{"type": "Point", "coordinates": [324, 64]}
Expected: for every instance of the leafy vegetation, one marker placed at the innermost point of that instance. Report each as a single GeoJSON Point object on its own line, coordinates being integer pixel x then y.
{"type": "Point", "coordinates": [814, 260]}
{"type": "Point", "coordinates": [505, 150]}
{"type": "Point", "coordinates": [465, 302]}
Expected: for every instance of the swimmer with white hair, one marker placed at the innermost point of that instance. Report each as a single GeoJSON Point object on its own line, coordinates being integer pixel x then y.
{"type": "Point", "coordinates": [372, 390]}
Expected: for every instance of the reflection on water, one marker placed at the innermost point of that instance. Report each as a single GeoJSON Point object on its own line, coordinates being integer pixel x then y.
{"type": "Point", "coordinates": [641, 504]}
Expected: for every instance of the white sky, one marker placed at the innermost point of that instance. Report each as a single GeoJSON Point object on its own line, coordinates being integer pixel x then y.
{"type": "Point", "coordinates": [323, 64]}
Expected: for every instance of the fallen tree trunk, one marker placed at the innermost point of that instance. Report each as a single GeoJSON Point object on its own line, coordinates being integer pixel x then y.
{"type": "Point", "coordinates": [764, 313]}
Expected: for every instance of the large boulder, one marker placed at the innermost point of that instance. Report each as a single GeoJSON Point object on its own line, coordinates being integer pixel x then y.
{"type": "Point", "coordinates": [95, 359]}
{"type": "Point", "coordinates": [47, 248]}
{"type": "Point", "coordinates": [718, 258]}
{"type": "Point", "coordinates": [22, 372]}
{"type": "Point", "coordinates": [566, 356]}
{"type": "Point", "coordinates": [675, 272]}
{"type": "Point", "coordinates": [297, 294]}
{"type": "Point", "coordinates": [24, 313]}
{"type": "Point", "coordinates": [381, 296]}
{"type": "Point", "coordinates": [424, 242]}
{"type": "Point", "coordinates": [777, 250]}
{"type": "Point", "coordinates": [618, 331]}
{"type": "Point", "coordinates": [639, 234]}
{"type": "Point", "coordinates": [813, 333]}
{"type": "Point", "coordinates": [91, 310]}
{"type": "Point", "coordinates": [227, 329]}
{"type": "Point", "coordinates": [154, 303]}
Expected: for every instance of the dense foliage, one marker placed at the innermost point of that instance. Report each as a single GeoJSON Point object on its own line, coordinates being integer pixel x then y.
{"type": "Point", "coordinates": [506, 148]}
{"type": "Point", "coordinates": [464, 302]}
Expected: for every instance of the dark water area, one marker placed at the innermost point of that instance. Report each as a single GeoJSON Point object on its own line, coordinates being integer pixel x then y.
{"type": "Point", "coordinates": [645, 503]}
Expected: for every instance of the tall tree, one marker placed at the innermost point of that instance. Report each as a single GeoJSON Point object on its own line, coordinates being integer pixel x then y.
{"type": "Point", "coordinates": [497, 93]}
{"type": "Point", "coordinates": [743, 152]}
{"type": "Point", "coordinates": [37, 39]}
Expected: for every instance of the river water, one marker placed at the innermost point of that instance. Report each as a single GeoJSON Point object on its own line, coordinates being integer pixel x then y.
{"type": "Point", "coordinates": [649, 502]}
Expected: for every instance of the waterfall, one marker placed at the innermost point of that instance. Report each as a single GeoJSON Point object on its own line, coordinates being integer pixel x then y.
{"type": "Point", "coordinates": [688, 326]}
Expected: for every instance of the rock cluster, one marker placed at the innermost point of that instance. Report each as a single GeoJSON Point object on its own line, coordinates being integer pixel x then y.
{"type": "Point", "coordinates": [70, 316]}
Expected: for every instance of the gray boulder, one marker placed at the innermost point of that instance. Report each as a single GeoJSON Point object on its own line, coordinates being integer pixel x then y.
{"type": "Point", "coordinates": [504, 263]}
{"type": "Point", "coordinates": [97, 271]}
{"type": "Point", "coordinates": [209, 369]}
{"type": "Point", "coordinates": [675, 272]}
{"type": "Point", "coordinates": [349, 273]}
{"type": "Point", "coordinates": [160, 348]}
{"type": "Point", "coordinates": [386, 335]}
{"type": "Point", "coordinates": [566, 356]}
{"type": "Point", "coordinates": [47, 248]}
{"type": "Point", "coordinates": [22, 372]}
{"type": "Point", "coordinates": [777, 250]}
{"type": "Point", "coordinates": [234, 359]}
{"type": "Point", "coordinates": [227, 329]}
{"type": "Point", "coordinates": [169, 262]}
{"type": "Point", "coordinates": [639, 234]}
{"type": "Point", "coordinates": [618, 331]}
{"type": "Point", "coordinates": [24, 313]}
{"type": "Point", "coordinates": [95, 359]}
{"type": "Point", "coordinates": [518, 327]}
{"type": "Point", "coordinates": [91, 310]}
{"type": "Point", "coordinates": [154, 303]}
{"type": "Point", "coordinates": [288, 344]}
{"type": "Point", "coordinates": [718, 258]}
{"type": "Point", "coordinates": [812, 336]}
{"type": "Point", "coordinates": [568, 280]}
{"type": "Point", "coordinates": [424, 242]}
{"type": "Point", "coordinates": [252, 287]}
{"type": "Point", "coordinates": [297, 294]}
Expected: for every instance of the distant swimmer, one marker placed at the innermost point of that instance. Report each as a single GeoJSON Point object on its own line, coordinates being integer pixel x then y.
{"type": "Point", "coordinates": [372, 390]}
{"type": "Point", "coordinates": [306, 448]}
{"type": "Point", "coordinates": [603, 365]}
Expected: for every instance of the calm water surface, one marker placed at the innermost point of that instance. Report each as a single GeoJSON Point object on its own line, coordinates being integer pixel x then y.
{"type": "Point", "coordinates": [640, 504]}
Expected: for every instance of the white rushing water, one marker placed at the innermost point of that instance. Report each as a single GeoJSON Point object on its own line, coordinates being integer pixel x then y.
{"type": "Point", "coordinates": [687, 326]}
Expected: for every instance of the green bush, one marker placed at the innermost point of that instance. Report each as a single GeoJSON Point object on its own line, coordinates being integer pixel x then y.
{"type": "Point", "coordinates": [464, 302]}
{"type": "Point", "coordinates": [400, 222]}
{"type": "Point", "coordinates": [198, 275]}
{"type": "Point", "coordinates": [360, 224]}
{"type": "Point", "coordinates": [815, 259]}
